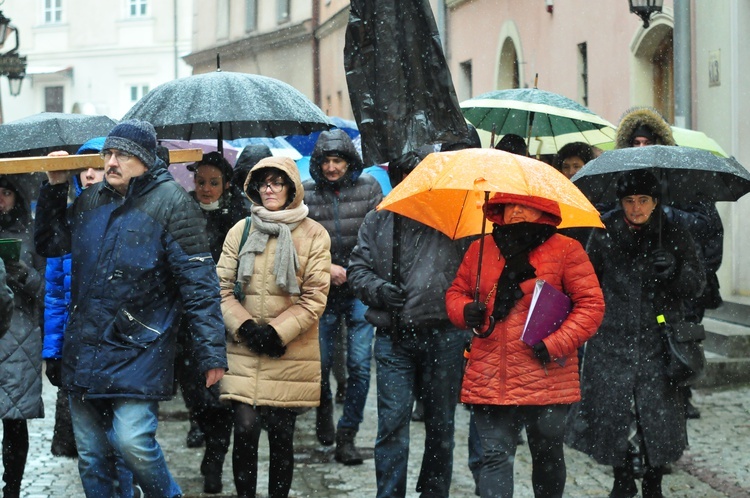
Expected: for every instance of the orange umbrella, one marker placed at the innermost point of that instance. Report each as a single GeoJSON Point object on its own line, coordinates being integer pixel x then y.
{"type": "Point", "coordinates": [448, 189]}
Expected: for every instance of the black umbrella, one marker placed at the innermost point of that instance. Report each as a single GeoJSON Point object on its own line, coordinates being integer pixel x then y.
{"type": "Point", "coordinates": [228, 106]}
{"type": "Point", "coordinates": [47, 131]}
{"type": "Point", "coordinates": [686, 174]}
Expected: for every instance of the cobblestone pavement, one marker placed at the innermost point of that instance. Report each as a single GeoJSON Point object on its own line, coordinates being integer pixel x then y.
{"type": "Point", "coordinates": [717, 464]}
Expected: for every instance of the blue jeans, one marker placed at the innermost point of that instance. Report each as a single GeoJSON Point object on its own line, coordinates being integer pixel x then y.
{"type": "Point", "coordinates": [432, 359]}
{"type": "Point", "coordinates": [105, 428]}
{"type": "Point", "coordinates": [358, 356]}
{"type": "Point", "coordinates": [499, 428]}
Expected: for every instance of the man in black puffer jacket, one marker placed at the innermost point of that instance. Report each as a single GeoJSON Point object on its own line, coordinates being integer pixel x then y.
{"type": "Point", "coordinates": [140, 260]}
{"type": "Point", "coordinates": [339, 196]}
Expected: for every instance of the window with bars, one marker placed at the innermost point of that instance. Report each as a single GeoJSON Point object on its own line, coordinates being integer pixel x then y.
{"type": "Point", "coordinates": [52, 11]}
{"type": "Point", "coordinates": [53, 99]}
{"type": "Point", "coordinates": [137, 91]}
{"type": "Point", "coordinates": [251, 15]}
{"type": "Point", "coordinates": [282, 10]}
{"type": "Point", "coordinates": [137, 8]}
{"type": "Point", "coordinates": [583, 74]}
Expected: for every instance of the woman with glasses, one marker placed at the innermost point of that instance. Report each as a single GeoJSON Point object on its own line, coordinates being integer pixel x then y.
{"type": "Point", "coordinates": [282, 271]}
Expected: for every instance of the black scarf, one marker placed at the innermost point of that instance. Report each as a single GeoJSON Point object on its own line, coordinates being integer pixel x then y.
{"type": "Point", "coordinates": [515, 242]}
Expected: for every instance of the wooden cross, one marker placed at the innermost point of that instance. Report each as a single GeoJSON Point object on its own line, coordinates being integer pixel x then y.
{"type": "Point", "coordinates": [14, 165]}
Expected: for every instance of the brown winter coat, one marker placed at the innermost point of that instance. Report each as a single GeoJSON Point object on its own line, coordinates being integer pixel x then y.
{"type": "Point", "coordinates": [294, 379]}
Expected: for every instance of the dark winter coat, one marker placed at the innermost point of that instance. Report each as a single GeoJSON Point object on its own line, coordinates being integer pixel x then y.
{"type": "Point", "coordinates": [625, 359]}
{"type": "Point", "coordinates": [429, 261]}
{"type": "Point", "coordinates": [6, 302]}
{"type": "Point", "coordinates": [139, 261]}
{"type": "Point", "coordinates": [21, 346]}
{"type": "Point", "coordinates": [218, 222]}
{"type": "Point", "coordinates": [340, 206]}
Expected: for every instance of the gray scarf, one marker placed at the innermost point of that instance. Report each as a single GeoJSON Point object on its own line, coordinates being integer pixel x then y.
{"type": "Point", "coordinates": [279, 223]}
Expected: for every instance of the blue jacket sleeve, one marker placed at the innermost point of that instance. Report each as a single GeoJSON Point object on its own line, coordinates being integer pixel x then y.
{"type": "Point", "coordinates": [56, 301]}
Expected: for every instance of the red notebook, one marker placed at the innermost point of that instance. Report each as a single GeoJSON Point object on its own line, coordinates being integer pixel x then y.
{"type": "Point", "coordinates": [549, 308]}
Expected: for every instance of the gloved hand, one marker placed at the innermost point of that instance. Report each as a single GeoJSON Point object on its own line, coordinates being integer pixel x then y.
{"type": "Point", "coordinates": [16, 274]}
{"type": "Point", "coordinates": [540, 351]}
{"type": "Point", "coordinates": [474, 314]}
{"type": "Point", "coordinates": [53, 371]}
{"type": "Point", "coordinates": [392, 295]}
{"type": "Point", "coordinates": [247, 330]}
{"type": "Point", "coordinates": [664, 263]}
{"type": "Point", "coordinates": [263, 339]}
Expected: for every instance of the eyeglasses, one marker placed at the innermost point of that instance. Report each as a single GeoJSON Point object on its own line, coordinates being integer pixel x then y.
{"type": "Point", "coordinates": [120, 156]}
{"type": "Point", "coordinates": [275, 187]}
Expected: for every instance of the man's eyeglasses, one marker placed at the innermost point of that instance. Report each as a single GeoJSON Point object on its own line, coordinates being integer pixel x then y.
{"type": "Point", "coordinates": [120, 156]}
{"type": "Point", "coordinates": [275, 187]}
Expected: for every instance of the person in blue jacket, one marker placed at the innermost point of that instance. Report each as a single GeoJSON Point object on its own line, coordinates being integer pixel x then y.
{"type": "Point", "coordinates": [140, 259]}
{"type": "Point", "coordinates": [56, 301]}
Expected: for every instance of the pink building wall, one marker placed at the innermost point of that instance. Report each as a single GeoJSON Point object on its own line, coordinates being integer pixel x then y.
{"type": "Point", "coordinates": [549, 47]}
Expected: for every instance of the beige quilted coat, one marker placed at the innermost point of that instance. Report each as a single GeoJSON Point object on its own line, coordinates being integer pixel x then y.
{"type": "Point", "coordinates": [294, 379]}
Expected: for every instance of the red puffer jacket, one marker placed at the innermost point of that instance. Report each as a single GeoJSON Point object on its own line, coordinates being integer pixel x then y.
{"type": "Point", "coordinates": [501, 369]}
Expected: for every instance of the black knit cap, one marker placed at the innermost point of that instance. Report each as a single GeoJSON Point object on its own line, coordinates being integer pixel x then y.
{"type": "Point", "coordinates": [134, 137]}
{"type": "Point", "coordinates": [638, 182]}
{"type": "Point", "coordinates": [216, 160]}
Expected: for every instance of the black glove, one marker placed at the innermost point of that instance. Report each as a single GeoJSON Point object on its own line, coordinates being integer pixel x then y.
{"type": "Point", "coordinates": [540, 351]}
{"type": "Point", "coordinates": [262, 339]}
{"type": "Point", "coordinates": [664, 263]}
{"type": "Point", "coordinates": [474, 314]}
{"type": "Point", "coordinates": [392, 295]}
{"type": "Point", "coordinates": [16, 274]}
{"type": "Point", "coordinates": [53, 371]}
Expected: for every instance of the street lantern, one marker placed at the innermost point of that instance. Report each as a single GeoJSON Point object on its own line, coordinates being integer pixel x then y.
{"type": "Point", "coordinates": [644, 9]}
{"type": "Point", "coordinates": [12, 64]}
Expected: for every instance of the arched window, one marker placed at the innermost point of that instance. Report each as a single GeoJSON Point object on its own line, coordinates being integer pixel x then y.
{"type": "Point", "coordinates": [508, 72]}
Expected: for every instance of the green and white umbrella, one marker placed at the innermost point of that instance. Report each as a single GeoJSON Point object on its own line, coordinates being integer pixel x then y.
{"type": "Point", "coordinates": [546, 120]}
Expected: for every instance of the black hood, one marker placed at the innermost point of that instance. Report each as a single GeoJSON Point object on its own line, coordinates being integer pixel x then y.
{"type": "Point", "coordinates": [335, 142]}
{"type": "Point", "coordinates": [21, 212]}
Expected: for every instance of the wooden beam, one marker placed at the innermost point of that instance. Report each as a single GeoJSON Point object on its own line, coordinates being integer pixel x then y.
{"type": "Point", "coordinates": [14, 165]}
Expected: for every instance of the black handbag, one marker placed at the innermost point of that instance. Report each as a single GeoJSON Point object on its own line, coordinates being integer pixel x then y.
{"type": "Point", "coordinates": [683, 341]}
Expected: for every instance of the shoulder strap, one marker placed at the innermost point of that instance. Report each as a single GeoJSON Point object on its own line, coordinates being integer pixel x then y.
{"type": "Point", "coordinates": [245, 232]}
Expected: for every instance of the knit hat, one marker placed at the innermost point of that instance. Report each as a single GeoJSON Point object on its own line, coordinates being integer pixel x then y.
{"type": "Point", "coordinates": [134, 137]}
{"type": "Point", "coordinates": [638, 182]}
{"type": "Point", "coordinates": [216, 160]}
{"type": "Point", "coordinates": [643, 131]}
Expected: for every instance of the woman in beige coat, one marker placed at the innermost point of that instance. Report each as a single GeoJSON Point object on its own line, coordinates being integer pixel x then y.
{"type": "Point", "coordinates": [283, 270]}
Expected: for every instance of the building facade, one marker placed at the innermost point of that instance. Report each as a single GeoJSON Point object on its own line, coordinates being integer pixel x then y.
{"type": "Point", "coordinates": [95, 56]}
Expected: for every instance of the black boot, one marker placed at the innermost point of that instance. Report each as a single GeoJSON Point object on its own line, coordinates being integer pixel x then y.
{"type": "Point", "coordinates": [624, 486]}
{"type": "Point", "coordinates": [212, 470]}
{"type": "Point", "coordinates": [346, 452]}
{"type": "Point", "coordinates": [652, 483]}
{"type": "Point", "coordinates": [63, 442]}
{"type": "Point", "coordinates": [324, 423]}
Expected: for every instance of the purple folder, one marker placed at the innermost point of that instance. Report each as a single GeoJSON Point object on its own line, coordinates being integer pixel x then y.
{"type": "Point", "coordinates": [549, 308]}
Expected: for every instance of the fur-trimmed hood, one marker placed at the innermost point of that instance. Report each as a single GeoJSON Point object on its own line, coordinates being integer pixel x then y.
{"type": "Point", "coordinates": [646, 116]}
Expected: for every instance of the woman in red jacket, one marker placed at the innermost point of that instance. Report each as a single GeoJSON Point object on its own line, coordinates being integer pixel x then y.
{"type": "Point", "coordinates": [509, 384]}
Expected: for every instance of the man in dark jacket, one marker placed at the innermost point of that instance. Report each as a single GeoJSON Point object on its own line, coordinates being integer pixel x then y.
{"type": "Point", "coordinates": [415, 342]}
{"type": "Point", "coordinates": [339, 196]}
{"type": "Point", "coordinates": [140, 259]}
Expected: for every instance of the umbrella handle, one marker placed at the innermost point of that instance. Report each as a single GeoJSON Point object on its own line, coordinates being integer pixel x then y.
{"type": "Point", "coordinates": [487, 332]}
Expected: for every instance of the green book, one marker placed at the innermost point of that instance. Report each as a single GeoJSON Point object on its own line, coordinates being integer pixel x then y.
{"type": "Point", "coordinates": [10, 249]}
